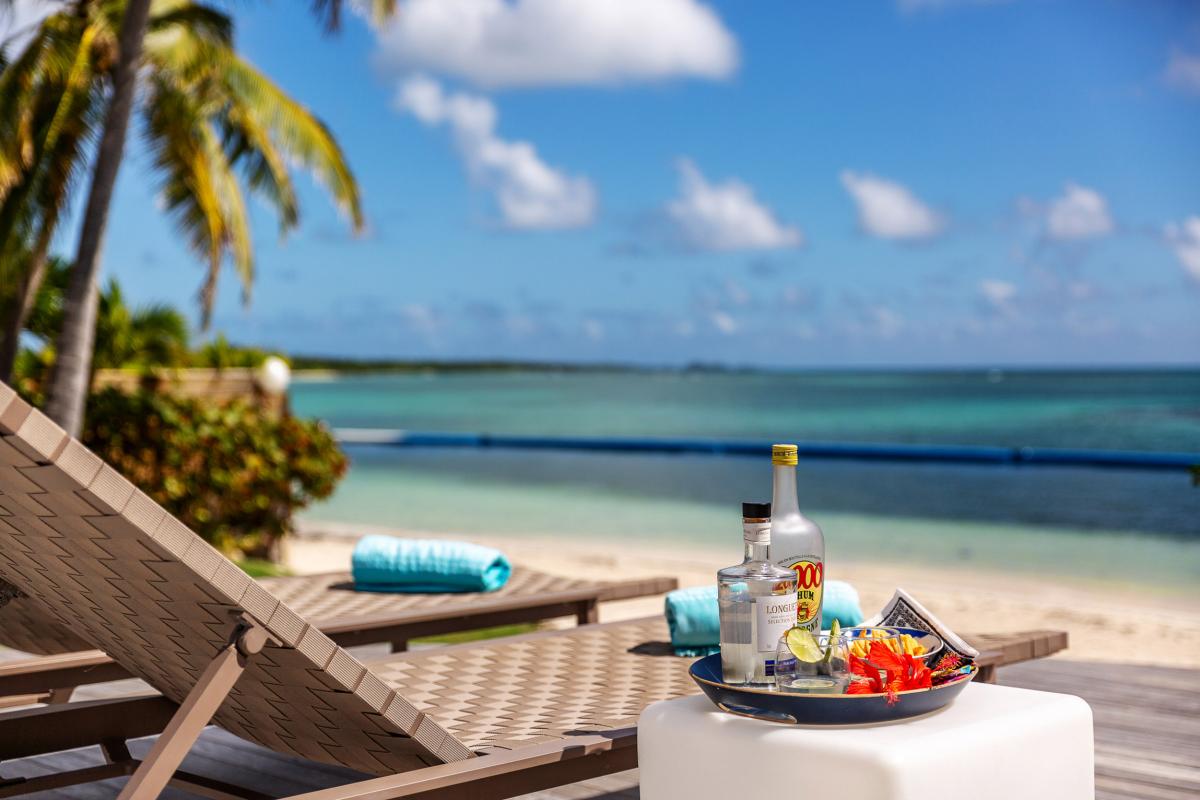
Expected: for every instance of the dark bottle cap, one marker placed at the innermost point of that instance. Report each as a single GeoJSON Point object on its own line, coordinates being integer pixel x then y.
{"type": "Point", "coordinates": [756, 510]}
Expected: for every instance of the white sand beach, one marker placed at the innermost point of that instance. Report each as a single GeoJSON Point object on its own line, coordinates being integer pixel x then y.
{"type": "Point", "coordinates": [1105, 624]}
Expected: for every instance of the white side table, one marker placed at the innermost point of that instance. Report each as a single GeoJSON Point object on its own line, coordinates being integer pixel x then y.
{"type": "Point", "coordinates": [992, 743]}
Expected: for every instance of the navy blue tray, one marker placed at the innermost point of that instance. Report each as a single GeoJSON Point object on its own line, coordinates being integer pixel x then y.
{"type": "Point", "coordinates": [818, 709]}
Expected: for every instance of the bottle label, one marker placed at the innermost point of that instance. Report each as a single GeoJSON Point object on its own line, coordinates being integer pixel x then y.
{"type": "Point", "coordinates": [772, 617]}
{"type": "Point", "coordinates": [756, 532]}
{"type": "Point", "coordinates": [810, 578]}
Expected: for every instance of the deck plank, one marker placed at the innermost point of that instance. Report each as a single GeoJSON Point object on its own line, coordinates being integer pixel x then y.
{"type": "Point", "coordinates": [1147, 723]}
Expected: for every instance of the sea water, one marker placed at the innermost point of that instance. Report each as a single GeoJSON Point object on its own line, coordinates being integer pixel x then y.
{"type": "Point", "coordinates": [1126, 526]}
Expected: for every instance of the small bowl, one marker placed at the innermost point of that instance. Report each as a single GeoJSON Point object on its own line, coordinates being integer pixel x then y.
{"type": "Point", "coordinates": [930, 641]}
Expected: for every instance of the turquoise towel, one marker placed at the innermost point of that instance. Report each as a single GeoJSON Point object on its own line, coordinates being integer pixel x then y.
{"type": "Point", "coordinates": [840, 602]}
{"type": "Point", "coordinates": [695, 623]}
{"type": "Point", "coordinates": [391, 564]}
{"type": "Point", "coordinates": [693, 620]}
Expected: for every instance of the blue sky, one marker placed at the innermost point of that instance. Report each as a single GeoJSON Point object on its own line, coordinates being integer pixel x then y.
{"type": "Point", "coordinates": [923, 182]}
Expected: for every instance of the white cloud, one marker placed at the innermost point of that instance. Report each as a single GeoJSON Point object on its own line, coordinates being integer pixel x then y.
{"type": "Point", "coordinates": [529, 193]}
{"type": "Point", "coordinates": [887, 323]}
{"type": "Point", "coordinates": [724, 323]}
{"type": "Point", "coordinates": [1184, 238]}
{"type": "Point", "coordinates": [737, 294]}
{"type": "Point", "coordinates": [520, 325]}
{"type": "Point", "coordinates": [999, 294]}
{"type": "Point", "coordinates": [593, 330]}
{"type": "Point", "coordinates": [726, 216]}
{"type": "Point", "coordinates": [422, 319]}
{"type": "Point", "coordinates": [1082, 290]}
{"type": "Point", "coordinates": [18, 20]}
{"type": "Point", "coordinates": [890, 210]}
{"type": "Point", "coordinates": [1080, 213]}
{"type": "Point", "coordinates": [1183, 71]}
{"type": "Point", "coordinates": [505, 43]}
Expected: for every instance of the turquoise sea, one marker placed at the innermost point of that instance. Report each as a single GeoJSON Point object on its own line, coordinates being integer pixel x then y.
{"type": "Point", "coordinates": [1126, 526]}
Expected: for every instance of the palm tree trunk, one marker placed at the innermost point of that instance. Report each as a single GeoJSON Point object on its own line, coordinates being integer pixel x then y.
{"type": "Point", "coordinates": [23, 304]}
{"type": "Point", "coordinates": [69, 384]}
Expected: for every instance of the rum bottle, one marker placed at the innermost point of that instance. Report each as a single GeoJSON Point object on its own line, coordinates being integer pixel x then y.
{"type": "Point", "coordinates": [796, 541]}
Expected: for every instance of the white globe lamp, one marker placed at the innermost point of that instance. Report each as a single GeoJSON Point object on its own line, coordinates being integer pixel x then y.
{"type": "Point", "coordinates": [274, 375]}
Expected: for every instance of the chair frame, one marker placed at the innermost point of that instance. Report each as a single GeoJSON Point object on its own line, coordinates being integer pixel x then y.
{"type": "Point", "coordinates": [110, 723]}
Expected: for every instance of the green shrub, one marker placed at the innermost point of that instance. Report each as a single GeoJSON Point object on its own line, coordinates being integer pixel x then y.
{"type": "Point", "coordinates": [221, 354]}
{"type": "Point", "coordinates": [233, 472]}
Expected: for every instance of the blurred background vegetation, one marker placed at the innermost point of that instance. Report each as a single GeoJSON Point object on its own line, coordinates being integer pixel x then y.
{"type": "Point", "coordinates": [235, 471]}
{"type": "Point", "coordinates": [215, 130]}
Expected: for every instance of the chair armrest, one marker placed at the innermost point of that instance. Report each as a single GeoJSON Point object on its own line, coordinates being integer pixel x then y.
{"type": "Point", "coordinates": [62, 671]}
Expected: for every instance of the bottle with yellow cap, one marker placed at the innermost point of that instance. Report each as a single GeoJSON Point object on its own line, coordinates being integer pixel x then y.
{"type": "Point", "coordinates": [797, 542]}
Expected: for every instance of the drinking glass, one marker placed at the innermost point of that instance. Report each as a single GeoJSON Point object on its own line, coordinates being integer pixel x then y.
{"type": "Point", "coordinates": [824, 676]}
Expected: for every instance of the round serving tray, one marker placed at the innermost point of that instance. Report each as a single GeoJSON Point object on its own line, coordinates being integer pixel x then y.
{"type": "Point", "coordinates": [818, 709]}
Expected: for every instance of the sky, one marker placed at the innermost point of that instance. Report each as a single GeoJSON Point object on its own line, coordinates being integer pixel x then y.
{"type": "Point", "coordinates": [890, 183]}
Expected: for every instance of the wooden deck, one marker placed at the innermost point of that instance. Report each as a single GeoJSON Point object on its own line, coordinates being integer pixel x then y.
{"type": "Point", "coordinates": [1147, 741]}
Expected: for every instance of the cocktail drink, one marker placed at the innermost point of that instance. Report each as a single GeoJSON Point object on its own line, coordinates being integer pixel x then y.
{"type": "Point", "coordinates": [808, 664]}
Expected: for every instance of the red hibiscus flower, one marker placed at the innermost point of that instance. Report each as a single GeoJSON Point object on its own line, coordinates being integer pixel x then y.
{"type": "Point", "coordinates": [885, 672]}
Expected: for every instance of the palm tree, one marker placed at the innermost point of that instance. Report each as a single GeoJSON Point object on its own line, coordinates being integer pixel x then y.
{"type": "Point", "coordinates": [243, 122]}
{"type": "Point", "coordinates": [154, 335]}
{"type": "Point", "coordinates": [147, 336]}
{"type": "Point", "coordinates": [68, 388]}
{"type": "Point", "coordinates": [44, 133]}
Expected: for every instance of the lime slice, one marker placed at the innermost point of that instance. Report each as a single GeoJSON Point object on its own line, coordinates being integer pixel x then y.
{"type": "Point", "coordinates": [835, 630]}
{"type": "Point", "coordinates": [804, 645]}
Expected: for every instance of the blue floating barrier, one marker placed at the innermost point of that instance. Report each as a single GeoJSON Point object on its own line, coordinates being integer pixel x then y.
{"type": "Point", "coordinates": [960, 454]}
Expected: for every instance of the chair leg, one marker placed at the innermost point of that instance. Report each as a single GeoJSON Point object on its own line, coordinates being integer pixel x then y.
{"type": "Point", "coordinates": [60, 695]}
{"type": "Point", "coordinates": [587, 612]}
{"type": "Point", "coordinates": [196, 711]}
{"type": "Point", "coordinates": [115, 750]}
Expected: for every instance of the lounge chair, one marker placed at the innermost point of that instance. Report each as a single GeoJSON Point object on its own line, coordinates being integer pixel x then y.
{"type": "Point", "coordinates": [328, 602]}
{"type": "Point", "coordinates": [488, 720]}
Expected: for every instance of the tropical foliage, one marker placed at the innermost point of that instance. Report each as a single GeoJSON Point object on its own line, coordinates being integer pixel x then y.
{"type": "Point", "coordinates": [215, 127]}
{"type": "Point", "coordinates": [233, 473]}
{"type": "Point", "coordinates": [220, 353]}
{"type": "Point", "coordinates": [148, 336]}
{"type": "Point", "coordinates": [145, 337]}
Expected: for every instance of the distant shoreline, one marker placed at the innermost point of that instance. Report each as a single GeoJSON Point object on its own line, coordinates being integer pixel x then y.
{"type": "Point", "coordinates": [319, 367]}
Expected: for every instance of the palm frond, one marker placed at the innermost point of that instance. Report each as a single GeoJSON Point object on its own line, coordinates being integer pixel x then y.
{"type": "Point", "coordinates": [196, 20]}
{"type": "Point", "coordinates": [18, 84]}
{"type": "Point", "coordinates": [249, 144]}
{"type": "Point", "coordinates": [296, 132]}
{"type": "Point", "coordinates": [199, 188]}
{"type": "Point", "coordinates": [175, 131]}
{"type": "Point", "coordinates": [233, 211]}
{"type": "Point", "coordinates": [329, 12]}
{"type": "Point", "coordinates": [60, 117]}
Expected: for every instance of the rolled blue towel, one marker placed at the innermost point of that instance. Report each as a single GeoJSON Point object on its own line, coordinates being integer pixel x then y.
{"type": "Point", "coordinates": [392, 564]}
{"type": "Point", "coordinates": [695, 621]}
{"type": "Point", "coordinates": [840, 601]}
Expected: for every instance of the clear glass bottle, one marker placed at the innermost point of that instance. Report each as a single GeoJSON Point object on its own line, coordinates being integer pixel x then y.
{"type": "Point", "coordinates": [797, 542]}
{"type": "Point", "coordinates": [757, 602]}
